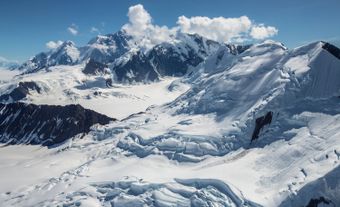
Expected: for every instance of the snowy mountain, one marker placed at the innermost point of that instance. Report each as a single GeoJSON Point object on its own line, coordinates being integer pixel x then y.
{"type": "Point", "coordinates": [128, 61]}
{"type": "Point", "coordinates": [66, 54]}
{"type": "Point", "coordinates": [106, 48]}
{"type": "Point", "coordinates": [204, 124]}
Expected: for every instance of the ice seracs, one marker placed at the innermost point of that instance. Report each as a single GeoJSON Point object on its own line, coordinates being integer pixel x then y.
{"type": "Point", "coordinates": [254, 125]}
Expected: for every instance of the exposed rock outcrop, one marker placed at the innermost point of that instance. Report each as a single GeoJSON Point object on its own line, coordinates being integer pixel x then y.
{"type": "Point", "coordinates": [260, 123]}
{"type": "Point", "coordinates": [22, 123]}
{"type": "Point", "coordinates": [21, 91]}
{"type": "Point", "coordinates": [94, 67]}
{"type": "Point", "coordinates": [332, 49]}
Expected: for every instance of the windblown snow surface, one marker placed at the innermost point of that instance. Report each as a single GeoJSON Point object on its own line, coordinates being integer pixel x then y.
{"type": "Point", "coordinates": [193, 146]}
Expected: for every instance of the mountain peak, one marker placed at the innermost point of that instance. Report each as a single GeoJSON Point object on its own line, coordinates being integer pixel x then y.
{"type": "Point", "coordinates": [68, 43]}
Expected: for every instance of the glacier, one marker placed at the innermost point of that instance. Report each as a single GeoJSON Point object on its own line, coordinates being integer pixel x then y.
{"type": "Point", "coordinates": [185, 139]}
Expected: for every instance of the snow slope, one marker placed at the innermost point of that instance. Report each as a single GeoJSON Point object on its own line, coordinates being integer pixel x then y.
{"type": "Point", "coordinates": [69, 85]}
{"type": "Point", "coordinates": [197, 148]}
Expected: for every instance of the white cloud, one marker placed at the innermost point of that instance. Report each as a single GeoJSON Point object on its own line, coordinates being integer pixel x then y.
{"type": "Point", "coordinates": [141, 28]}
{"type": "Point", "coordinates": [219, 28]}
{"type": "Point", "coordinates": [53, 44]}
{"type": "Point", "coordinates": [222, 29]}
{"type": "Point", "coordinates": [94, 30]}
{"type": "Point", "coordinates": [262, 32]}
{"type": "Point", "coordinates": [139, 17]}
{"type": "Point", "coordinates": [73, 29]}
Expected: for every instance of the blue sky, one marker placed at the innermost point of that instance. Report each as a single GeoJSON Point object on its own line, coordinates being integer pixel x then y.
{"type": "Point", "coordinates": [26, 26]}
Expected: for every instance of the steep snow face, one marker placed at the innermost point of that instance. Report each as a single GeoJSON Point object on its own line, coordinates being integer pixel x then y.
{"type": "Point", "coordinates": [106, 48]}
{"type": "Point", "coordinates": [263, 74]}
{"type": "Point", "coordinates": [66, 54]}
{"type": "Point", "coordinates": [137, 68]}
{"type": "Point", "coordinates": [221, 59]}
{"type": "Point", "coordinates": [315, 71]}
{"type": "Point", "coordinates": [254, 76]}
{"type": "Point", "coordinates": [173, 58]}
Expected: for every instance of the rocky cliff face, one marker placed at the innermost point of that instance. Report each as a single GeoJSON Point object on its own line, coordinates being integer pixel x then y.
{"type": "Point", "coordinates": [20, 91]}
{"type": "Point", "coordinates": [47, 125]}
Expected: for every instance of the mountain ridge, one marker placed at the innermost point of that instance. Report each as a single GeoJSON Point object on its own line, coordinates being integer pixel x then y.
{"type": "Point", "coordinates": [172, 58]}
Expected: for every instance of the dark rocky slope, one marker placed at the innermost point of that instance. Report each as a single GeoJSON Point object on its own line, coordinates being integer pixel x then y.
{"type": "Point", "coordinates": [94, 68]}
{"type": "Point", "coordinates": [332, 49]}
{"type": "Point", "coordinates": [21, 91]}
{"type": "Point", "coordinates": [22, 123]}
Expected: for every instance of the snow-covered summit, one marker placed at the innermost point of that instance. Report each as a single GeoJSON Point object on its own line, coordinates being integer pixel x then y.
{"type": "Point", "coordinates": [106, 48]}
{"type": "Point", "coordinates": [118, 50]}
{"type": "Point", "coordinates": [66, 54]}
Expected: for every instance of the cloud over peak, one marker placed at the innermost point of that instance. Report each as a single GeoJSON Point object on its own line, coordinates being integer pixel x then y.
{"type": "Point", "coordinates": [141, 28]}
{"type": "Point", "coordinates": [262, 32]}
{"type": "Point", "coordinates": [220, 29]}
{"type": "Point", "coordinates": [53, 44]}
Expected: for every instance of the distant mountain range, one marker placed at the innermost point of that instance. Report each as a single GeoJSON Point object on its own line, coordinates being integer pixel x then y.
{"type": "Point", "coordinates": [130, 62]}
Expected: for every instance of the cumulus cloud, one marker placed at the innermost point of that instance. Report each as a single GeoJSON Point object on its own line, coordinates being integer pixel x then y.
{"type": "Point", "coordinates": [73, 29]}
{"type": "Point", "coordinates": [140, 26]}
{"type": "Point", "coordinates": [262, 32]}
{"type": "Point", "coordinates": [53, 44]}
{"type": "Point", "coordinates": [222, 29]}
{"type": "Point", "coordinates": [139, 18]}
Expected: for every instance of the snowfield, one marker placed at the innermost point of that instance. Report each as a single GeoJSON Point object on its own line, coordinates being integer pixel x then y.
{"type": "Point", "coordinates": [64, 85]}
{"type": "Point", "coordinates": [190, 141]}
